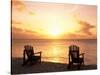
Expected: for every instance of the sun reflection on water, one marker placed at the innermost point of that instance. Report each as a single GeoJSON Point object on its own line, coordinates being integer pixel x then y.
{"type": "Point", "coordinates": [56, 54]}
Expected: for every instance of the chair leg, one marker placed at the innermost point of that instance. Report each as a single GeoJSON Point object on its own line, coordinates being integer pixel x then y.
{"type": "Point", "coordinates": [25, 62]}
{"type": "Point", "coordinates": [78, 66]}
{"type": "Point", "coordinates": [83, 62]}
{"type": "Point", "coordinates": [40, 60]}
{"type": "Point", "coordinates": [69, 65]}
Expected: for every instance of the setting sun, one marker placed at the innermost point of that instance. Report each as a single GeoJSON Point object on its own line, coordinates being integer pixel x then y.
{"type": "Point", "coordinates": [60, 27]}
{"type": "Point", "coordinates": [54, 31]}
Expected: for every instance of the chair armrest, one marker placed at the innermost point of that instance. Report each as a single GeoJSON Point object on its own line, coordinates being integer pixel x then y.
{"type": "Point", "coordinates": [38, 53]}
{"type": "Point", "coordinates": [81, 55]}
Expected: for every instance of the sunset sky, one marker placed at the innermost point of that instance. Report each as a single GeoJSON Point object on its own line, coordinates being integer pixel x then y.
{"type": "Point", "coordinates": [38, 20]}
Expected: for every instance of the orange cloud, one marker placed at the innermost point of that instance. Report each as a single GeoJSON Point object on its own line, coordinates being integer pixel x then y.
{"type": "Point", "coordinates": [18, 33]}
{"type": "Point", "coordinates": [85, 31]}
{"type": "Point", "coordinates": [85, 27]}
{"type": "Point", "coordinates": [15, 22]}
{"type": "Point", "coordinates": [19, 5]}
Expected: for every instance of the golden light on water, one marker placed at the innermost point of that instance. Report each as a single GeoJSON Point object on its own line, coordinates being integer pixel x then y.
{"type": "Point", "coordinates": [55, 60]}
{"type": "Point", "coordinates": [56, 52]}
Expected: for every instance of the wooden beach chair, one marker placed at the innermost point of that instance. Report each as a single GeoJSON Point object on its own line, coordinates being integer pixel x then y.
{"type": "Point", "coordinates": [29, 56]}
{"type": "Point", "coordinates": [75, 57]}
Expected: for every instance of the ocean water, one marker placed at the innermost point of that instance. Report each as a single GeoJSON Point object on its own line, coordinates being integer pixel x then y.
{"type": "Point", "coordinates": [57, 50]}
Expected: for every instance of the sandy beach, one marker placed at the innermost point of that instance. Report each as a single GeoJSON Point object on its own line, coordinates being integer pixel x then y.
{"type": "Point", "coordinates": [43, 67]}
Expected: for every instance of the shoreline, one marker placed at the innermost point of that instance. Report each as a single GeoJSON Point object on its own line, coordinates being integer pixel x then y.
{"type": "Point", "coordinates": [44, 67]}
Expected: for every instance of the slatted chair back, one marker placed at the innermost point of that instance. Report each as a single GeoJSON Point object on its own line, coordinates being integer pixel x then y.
{"type": "Point", "coordinates": [74, 52]}
{"type": "Point", "coordinates": [29, 51]}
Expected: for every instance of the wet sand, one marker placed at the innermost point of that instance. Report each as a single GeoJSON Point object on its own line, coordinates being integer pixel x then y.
{"type": "Point", "coordinates": [44, 67]}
